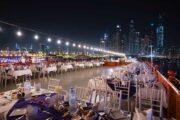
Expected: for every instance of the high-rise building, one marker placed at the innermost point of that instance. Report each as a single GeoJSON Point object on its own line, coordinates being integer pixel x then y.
{"type": "Point", "coordinates": [102, 43]}
{"type": "Point", "coordinates": [117, 42]}
{"type": "Point", "coordinates": [152, 34]}
{"type": "Point", "coordinates": [131, 38]}
{"type": "Point", "coordinates": [160, 36]}
{"type": "Point", "coordinates": [137, 43]}
{"type": "Point", "coordinates": [145, 45]}
{"type": "Point", "coordinates": [125, 44]}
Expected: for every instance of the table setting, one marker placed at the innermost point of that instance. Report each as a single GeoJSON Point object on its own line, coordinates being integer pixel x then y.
{"type": "Point", "coordinates": [42, 104]}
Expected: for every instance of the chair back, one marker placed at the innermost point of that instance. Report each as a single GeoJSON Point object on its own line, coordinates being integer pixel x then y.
{"type": "Point", "coordinates": [138, 84]}
{"type": "Point", "coordinates": [53, 83]}
{"type": "Point", "coordinates": [99, 83]}
{"type": "Point", "coordinates": [123, 86]}
{"type": "Point", "coordinates": [83, 94]}
{"type": "Point", "coordinates": [117, 98]}
{"type": "Point", "coordinates": [151, 98]}
{"type": "Point", "coordinates": [112, 99]}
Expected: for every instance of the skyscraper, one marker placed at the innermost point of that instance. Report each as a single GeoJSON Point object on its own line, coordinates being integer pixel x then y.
{"type": "Point", "coordinates": [160, 36]}
{"type": "Point", "coordinates": [102, 43]}
{"type": "Point", "coordinates": [131, 38]}
{"type": "Point", "coordinates": [117, 43]}
{"type": "Point", "coordinates": [137, 43]}
{"type": "Point", "coordinates": [144, 45]}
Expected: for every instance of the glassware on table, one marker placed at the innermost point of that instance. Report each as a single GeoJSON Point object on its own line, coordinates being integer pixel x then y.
{"type": "Point", "coordinates": [19, 85]}
{"type": "Point", "coordinates": [72, 100]}
{"type": "Point", "coordinates": [37, 86]}
{"type": "Point", "coordinates": [27, 89]}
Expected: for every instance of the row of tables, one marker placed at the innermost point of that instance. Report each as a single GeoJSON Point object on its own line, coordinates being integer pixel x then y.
{"type": "Point", "coordinates": [52, 68]}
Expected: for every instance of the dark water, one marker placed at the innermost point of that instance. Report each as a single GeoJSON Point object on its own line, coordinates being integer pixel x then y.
{"type": "Point", "coordinates": [167, 64]}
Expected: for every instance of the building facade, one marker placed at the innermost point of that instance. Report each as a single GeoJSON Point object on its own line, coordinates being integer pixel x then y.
{"type": "Point", "coordinates": [160, 36]}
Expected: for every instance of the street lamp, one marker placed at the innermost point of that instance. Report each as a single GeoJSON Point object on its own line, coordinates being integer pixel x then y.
{"type": "Point", "coordinates": [151, 55]}
{"type": "Point", "coordinates": [59, 42]}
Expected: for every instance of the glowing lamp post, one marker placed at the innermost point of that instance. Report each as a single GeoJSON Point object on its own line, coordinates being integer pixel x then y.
{"type": "Point", "coordinates": [151, 55]}
{"type": "Point", "coordinates": [67, 44]}
{"type": "Point", "coordinates": [59, 43]}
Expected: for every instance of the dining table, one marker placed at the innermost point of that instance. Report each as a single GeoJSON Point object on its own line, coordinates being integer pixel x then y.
{"type": "Point", "coordinates": [50, 69]}
{"type": "Point", "coordinates": [9, 101]}
{"type": "Point", "coordinates": [17, 73]}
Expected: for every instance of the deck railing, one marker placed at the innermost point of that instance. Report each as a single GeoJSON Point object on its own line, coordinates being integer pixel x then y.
{"type": "Point", "coordinates": [172, 92]}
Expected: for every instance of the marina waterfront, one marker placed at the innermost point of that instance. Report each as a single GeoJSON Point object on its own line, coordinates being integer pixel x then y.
{"type": "Point", "coordinates": [89, 60]}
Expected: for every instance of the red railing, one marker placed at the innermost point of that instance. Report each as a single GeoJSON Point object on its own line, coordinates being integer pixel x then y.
{"type": "Point", "coordinates": [172, 92]}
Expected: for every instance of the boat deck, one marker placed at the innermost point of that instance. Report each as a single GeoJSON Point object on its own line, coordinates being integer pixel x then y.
{"type": "Point", "coordinates": [71, 78]}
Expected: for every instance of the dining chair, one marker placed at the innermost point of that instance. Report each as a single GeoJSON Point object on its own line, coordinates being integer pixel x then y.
{"type": "Point", "coordinates": [138, 84]}
{"type": "Point", "coordinates": [124, 86]}
{"type": "Point", "coordinates": [34, 71]}
{"type": "Point", "coordinates": [151, 98]}
{"type": "Point", "coordinates": [100, 83]}
{"type": "Point", "coordinates": [6, 77]}
{"type": "Point", "coordinates": [53, 83]}
{"type": "Point", "coordinates": [83, 94]}
{"type": "Point", "coordinates": [1, 79]}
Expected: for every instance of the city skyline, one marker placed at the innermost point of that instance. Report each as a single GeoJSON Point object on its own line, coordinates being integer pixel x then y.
{"type": "Point", "coordinates": [87, 21]}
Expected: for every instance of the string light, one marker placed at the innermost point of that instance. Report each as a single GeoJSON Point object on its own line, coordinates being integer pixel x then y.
{"type": "Point", "coordinates": [84, 47]}
{"type": "Point", "coordinates": [67, 43]}
{"type": "Point", "coordinates": [58, 42]}
{"type": "Point", "coordinates": [49, 40]}
{"type": "Point", "coordinates": [19, 33]}
{"type": "Point", "coordinates": [79, 46]}
{"type": "Point", "coordinates": [36, 37]}
{"type": "Point", "coordinates": [74, 45]}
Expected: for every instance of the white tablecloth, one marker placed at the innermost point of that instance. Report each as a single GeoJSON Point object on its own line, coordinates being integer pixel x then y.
{"type": "Point", "coordinates": [66, 67]}
{"type": "Point", "coordinates": [96, 64]}
{"type": "Point", "coordinates": [17, 73]}
{"type": "Point", "coordinates": [80, 65]}
{"type": "Point", "coordinates": [88, 64]}
{"type": "Point", "coordinates": [50, 69]}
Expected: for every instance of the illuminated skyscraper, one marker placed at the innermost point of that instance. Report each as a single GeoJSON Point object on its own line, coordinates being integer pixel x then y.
{"type": "Point", "coordinates": [144, 45]}
{"type": "Point", "coordinates": [117, 43]}
{"type": "Point", "coordinates": [131, 38]}
{"type": "Point", "coordinates": [160, 36]}
{"type": "Point", "coordinates": [137, 43]}
{"type": "Point", "coordinates": [102, 43]}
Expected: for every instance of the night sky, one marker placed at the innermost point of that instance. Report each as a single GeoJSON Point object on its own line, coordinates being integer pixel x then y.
{"type": "Point", "coordinates": [87, 20]}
